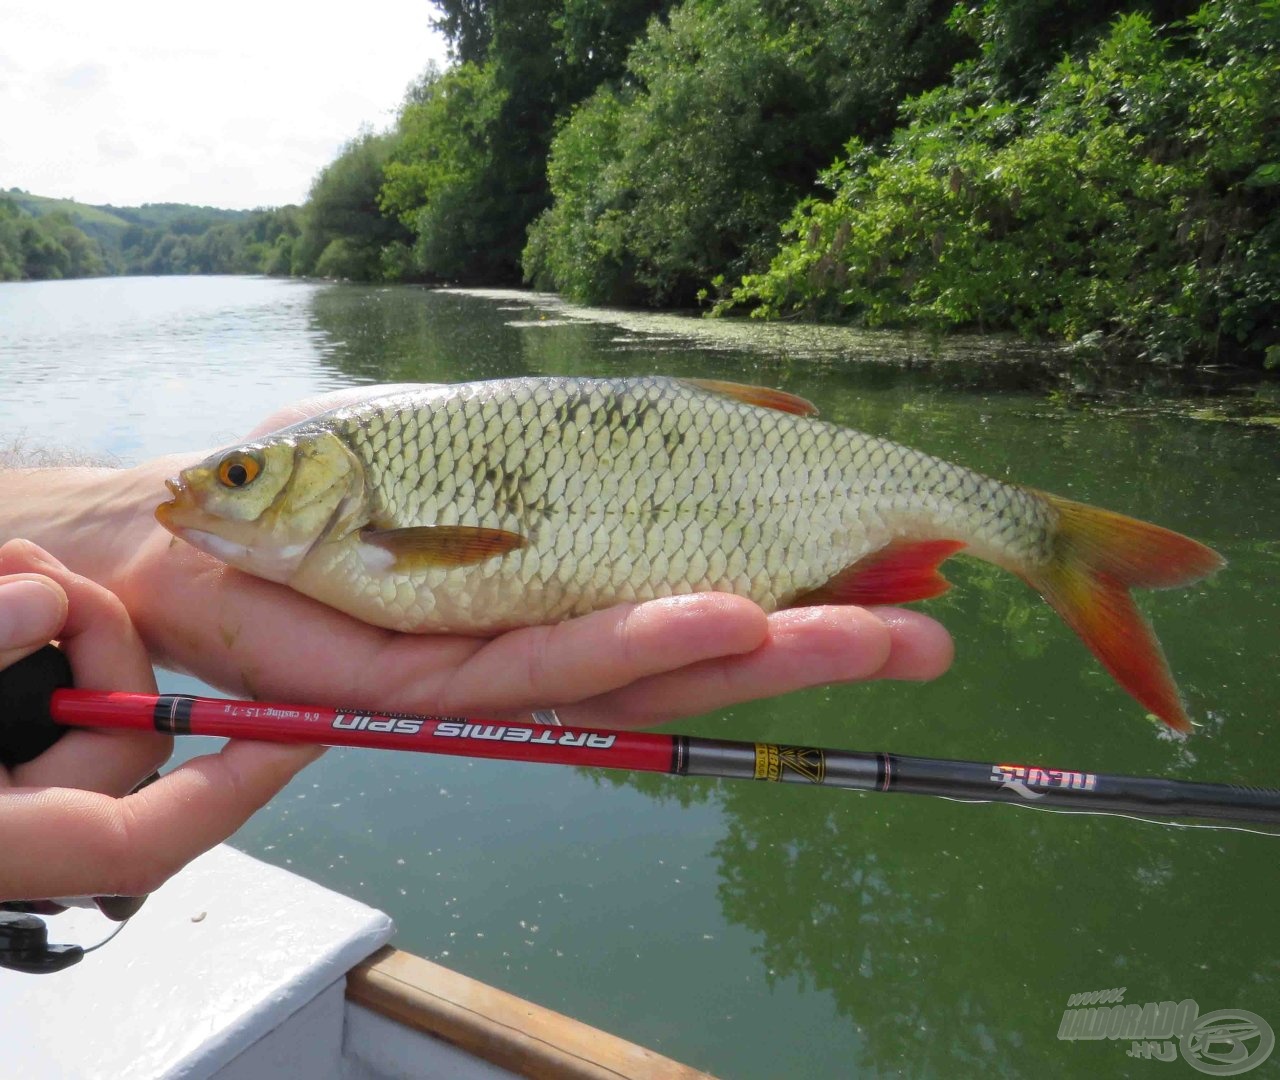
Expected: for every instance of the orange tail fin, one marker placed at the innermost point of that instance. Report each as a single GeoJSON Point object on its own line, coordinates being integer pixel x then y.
{"type": "Point", "coordinates": [1097, 558]}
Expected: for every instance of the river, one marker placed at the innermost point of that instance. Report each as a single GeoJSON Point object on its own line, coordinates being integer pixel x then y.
{"type": "Point", "coordinates": [752, 930]}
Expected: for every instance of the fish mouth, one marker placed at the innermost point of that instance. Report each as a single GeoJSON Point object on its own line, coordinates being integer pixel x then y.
{"type": "Point", "coordinates": [169, 513]}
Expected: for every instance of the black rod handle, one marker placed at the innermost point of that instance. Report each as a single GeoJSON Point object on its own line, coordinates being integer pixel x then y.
{"type": "Point", "coordinates": [26, 688]}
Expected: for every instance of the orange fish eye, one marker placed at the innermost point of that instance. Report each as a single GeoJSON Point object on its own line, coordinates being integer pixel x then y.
{"type": "Point", "coordinates": [237, 470]}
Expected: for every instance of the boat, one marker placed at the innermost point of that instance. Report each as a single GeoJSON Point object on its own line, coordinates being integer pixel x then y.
{"type": "Point", "coordinates": [239, 970]}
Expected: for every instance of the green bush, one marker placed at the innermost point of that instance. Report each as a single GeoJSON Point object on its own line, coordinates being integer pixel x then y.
{"type": "Point", "coordinates": [344, 259]}
{"type": "Point", "coordinates": [1136, 196]}
{"type": "Point", "coordinates": [278, 260]}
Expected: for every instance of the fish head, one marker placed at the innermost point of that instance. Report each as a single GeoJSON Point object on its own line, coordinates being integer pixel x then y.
{"type": "Point", "coordinates": [264, 506]}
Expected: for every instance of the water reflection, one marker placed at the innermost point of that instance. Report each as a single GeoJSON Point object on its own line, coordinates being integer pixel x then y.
{"type": "Point", "coordinates": [953, 938]}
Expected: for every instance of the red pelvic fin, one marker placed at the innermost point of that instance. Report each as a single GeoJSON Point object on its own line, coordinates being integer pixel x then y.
{"type": "Point", "coordinates": [906, 570]}
{"type": "Point", "coordinates": [1098, 557]}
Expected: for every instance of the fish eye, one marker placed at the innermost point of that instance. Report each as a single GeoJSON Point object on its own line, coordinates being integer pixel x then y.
{"type": "Point", "coordinates": [236, 470]}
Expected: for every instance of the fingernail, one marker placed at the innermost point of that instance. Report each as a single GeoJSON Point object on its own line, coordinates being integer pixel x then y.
{"type": "Point", "coordinates": [31, 613]}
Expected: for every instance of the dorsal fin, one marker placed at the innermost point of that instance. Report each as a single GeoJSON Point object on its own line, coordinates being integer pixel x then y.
{"type": "Point", "coordinates": [763, 397]}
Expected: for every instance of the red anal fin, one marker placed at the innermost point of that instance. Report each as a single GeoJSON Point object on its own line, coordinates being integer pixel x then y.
{"type": "Point", "coordinates": [763, 397]}
{"type": "Point", "coordinates": [906, 570]}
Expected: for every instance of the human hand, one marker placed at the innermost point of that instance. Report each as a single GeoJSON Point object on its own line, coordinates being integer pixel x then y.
{"type": "Point", "coordinates": [629, 666]}
{"type": "Point", "coordinates": [68, 826]}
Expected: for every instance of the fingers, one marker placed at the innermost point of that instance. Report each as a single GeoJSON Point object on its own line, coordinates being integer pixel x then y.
{"type": "Point", "coordinates": [32, 610]}
{"type": "Point", "coordinates": [920, 647]}
{"type": "Point", "coordinates": [97, 635]}
{"type": "Point", "coordinates": [805, 647]}
{"type": "Point", "coordinates": [644, 664]}
{"type": "Point", "coordinates": [61, 832]}
{"type": "Point", "coordinates": [61, 842]}
{"type": "Point", "coordinates": [594, 654]}
{"type": "Point", "coordinates": [105, 653]}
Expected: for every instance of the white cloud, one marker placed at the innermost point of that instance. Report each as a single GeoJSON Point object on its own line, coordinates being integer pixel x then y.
{"type": "Point", "coordinates": [81, 79]}
{"type": "Point", "coordinates": [116, 146]}
{"type": "Point", "coordinates": [238, 104]}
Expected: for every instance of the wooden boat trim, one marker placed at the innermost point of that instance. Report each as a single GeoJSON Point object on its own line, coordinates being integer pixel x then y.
{"type": "Point", "coordinates": [499, 1027]}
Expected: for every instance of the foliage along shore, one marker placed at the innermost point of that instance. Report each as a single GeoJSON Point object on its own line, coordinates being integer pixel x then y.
{"type": "Point", "coordinates": [1087, 171]}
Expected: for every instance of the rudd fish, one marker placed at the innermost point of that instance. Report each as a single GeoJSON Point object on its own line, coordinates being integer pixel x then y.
{"type": "Point", "coordinates": [483, 506]}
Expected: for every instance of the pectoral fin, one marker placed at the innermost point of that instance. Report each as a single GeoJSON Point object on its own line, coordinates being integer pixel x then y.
{"type": "Point", "coordinates": [763, 397]}
{"type": "Point", "coordinates": [442, 546]}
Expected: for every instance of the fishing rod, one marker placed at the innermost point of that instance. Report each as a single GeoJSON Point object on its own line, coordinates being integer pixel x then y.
{"type": "Point", "coordinates": [37, 705]}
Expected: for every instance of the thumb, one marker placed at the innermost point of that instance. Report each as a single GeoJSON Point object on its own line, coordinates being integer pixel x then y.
{"type": "Point", "coordinates": [32, 611]}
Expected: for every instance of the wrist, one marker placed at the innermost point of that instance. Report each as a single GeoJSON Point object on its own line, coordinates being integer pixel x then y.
{"type": "Point", "coordinates": [93, 520]}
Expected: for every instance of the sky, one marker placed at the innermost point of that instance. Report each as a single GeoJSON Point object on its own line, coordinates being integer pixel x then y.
{"type": "Point", "coordinates": [236, 104]}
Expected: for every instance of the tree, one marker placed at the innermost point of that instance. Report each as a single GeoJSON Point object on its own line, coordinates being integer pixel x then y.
{"type": "Point", "coordinates": [441, 180]}
{"type": "Point", "coordinates": [343, 204]}
{"type": "Point", "coordinates": [469, 174]}
{"type": "Point", "coordinates": [11, 259]}
{"type": "Point", "coordinates": [733, 110]}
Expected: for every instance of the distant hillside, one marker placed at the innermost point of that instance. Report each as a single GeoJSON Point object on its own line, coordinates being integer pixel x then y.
{"type": "Point", "coordinates": [42, 238]}
{"type": "Point", "coordinates": [108, 224]}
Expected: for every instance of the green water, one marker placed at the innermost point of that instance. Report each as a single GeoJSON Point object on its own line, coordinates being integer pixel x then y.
{"type": "Point", "coordinates": [750, 930]}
